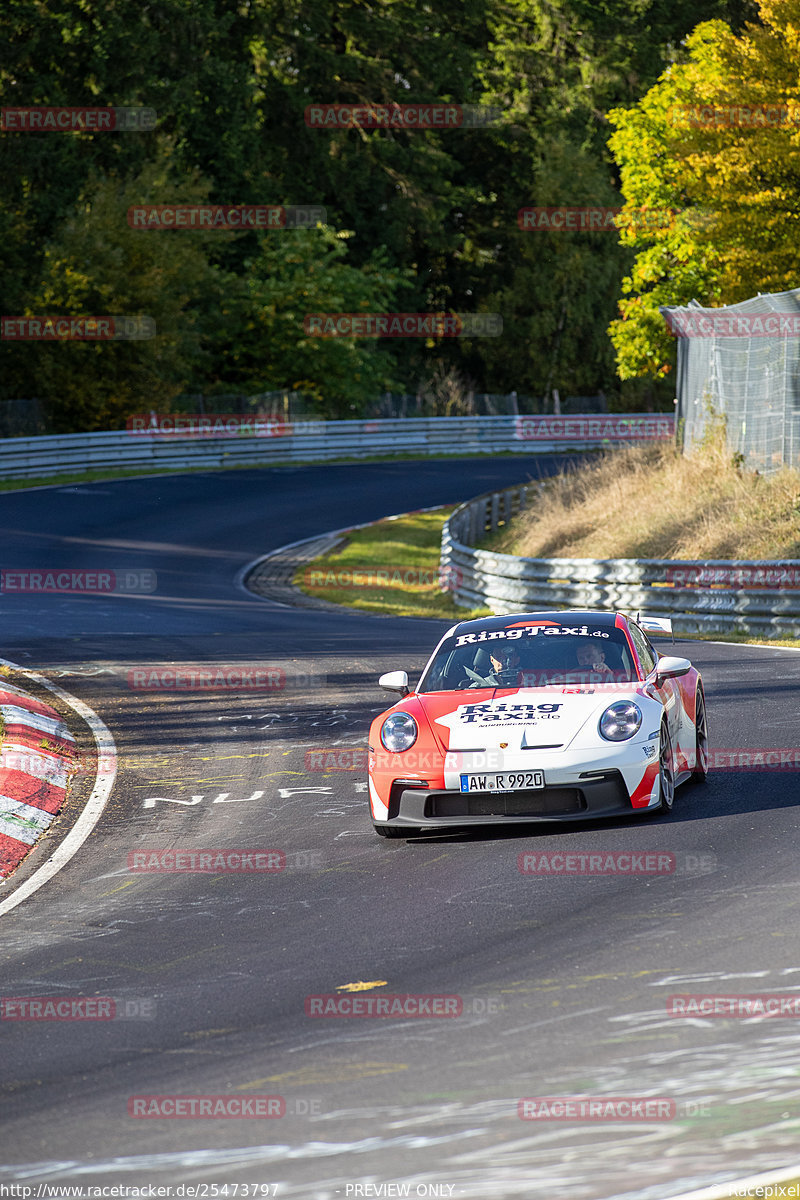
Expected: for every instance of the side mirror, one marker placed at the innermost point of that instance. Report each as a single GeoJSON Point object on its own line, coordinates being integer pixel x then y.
{"type": "Point", "coordinates": [669, 667]}
{"type": "Point", "coordinates": [395, 681]}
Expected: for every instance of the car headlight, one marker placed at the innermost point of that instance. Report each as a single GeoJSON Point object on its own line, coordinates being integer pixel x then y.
{"type": "Point", "coordinates": [399, 732]}
{"type": "Point", "coordinates": [620, 721]}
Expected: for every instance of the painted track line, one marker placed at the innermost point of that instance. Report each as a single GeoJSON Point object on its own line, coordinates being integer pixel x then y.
{"type": "Point", "coordinates": [93, 809]}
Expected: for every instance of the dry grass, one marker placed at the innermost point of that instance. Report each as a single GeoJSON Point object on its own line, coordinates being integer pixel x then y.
{"type": "Point", "coordinates": [654, 502]}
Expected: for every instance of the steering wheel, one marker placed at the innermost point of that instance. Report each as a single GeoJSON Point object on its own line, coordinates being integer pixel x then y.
{"type": "Point", "coordinates": [479, 679]}
{"type": "Point", "coordinates": [508, 677]}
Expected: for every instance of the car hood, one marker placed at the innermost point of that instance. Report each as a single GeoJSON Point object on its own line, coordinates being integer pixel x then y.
{"type": "Point", "coordinates": [527, 718]}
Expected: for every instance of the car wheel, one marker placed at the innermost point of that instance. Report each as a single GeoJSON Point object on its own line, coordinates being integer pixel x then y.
{"type": "Point", "coordinates": [700, 771]}
{"type": "Point", "coordinates": [666, 774]}
{"type": "Point", "coordinates": [396, 831]}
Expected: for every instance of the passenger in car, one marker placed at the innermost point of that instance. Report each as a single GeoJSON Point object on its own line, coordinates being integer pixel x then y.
{"type": "Point", "coordinates": [592, 658]}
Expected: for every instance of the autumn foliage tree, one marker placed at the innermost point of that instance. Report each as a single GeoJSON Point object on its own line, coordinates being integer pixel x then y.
{"type": "Point", "coordinates": [712, 154]}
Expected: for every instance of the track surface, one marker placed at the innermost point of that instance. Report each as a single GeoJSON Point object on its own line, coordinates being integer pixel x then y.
{"type": "Point", "coordinates": [564, 980]}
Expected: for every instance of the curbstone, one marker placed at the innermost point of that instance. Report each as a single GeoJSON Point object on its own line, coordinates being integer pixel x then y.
{"type": "Point", "coordinates": [37, 754]}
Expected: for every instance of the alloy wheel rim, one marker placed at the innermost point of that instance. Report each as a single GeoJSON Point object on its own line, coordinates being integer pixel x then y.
{"type": "Point", "coordinates": [702, 735]}
{"type": "Point", "coordinates": [665, 774]}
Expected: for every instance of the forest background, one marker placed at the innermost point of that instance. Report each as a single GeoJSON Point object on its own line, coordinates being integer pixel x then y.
{"type": "Point", "coordinates": [416, 220]}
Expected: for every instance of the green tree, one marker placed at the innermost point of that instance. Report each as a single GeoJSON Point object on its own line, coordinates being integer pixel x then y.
{"type": "Point", "coordinates": [96, 265]}
{"type": "Point", "coordinates": [188, 62]}
{"type": "Point", "coordinates": [296, 273]}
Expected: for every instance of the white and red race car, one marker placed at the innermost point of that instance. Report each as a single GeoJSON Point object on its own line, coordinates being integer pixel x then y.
{"type": "Point", "coordinates": [550, 716]}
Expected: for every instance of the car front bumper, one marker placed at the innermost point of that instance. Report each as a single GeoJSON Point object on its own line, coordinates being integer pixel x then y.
{"type": "Point", "coordinates": [604, 795]}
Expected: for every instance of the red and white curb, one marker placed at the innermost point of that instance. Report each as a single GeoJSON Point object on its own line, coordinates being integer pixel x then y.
{"type": "Point", "coordinates": [36, 755]}
{"type": "Point", "coordinates": [34, 779]}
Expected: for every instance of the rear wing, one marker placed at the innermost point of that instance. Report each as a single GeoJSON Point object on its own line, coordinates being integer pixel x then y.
{"type": "Point", "coordinates": [656, 625]}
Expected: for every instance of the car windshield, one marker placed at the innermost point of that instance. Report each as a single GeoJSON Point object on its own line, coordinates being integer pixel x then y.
{"type": "Point", "coordinates": [530, 654]}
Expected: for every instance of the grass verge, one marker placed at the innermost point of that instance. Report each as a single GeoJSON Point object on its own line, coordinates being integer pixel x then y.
{"type": "Point", "coordinates": [405, 550]}
{"type": "Point", "coordinates": [19, 485]}
{"type": "Point", "coordinates": [411, 543]}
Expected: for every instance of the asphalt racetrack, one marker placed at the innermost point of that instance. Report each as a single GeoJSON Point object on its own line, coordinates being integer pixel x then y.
{"type": "Point", "coordinates": [562, 982]}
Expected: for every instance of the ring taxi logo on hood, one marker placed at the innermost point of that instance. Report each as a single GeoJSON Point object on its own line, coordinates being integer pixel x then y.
{"type": "Point", "coordinates": [500, 712]}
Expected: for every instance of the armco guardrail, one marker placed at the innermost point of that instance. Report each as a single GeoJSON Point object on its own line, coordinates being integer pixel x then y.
{"type": "Point", "coordinates": [318, 441]}
{"type": "Point", "coordinates": [708, 596]}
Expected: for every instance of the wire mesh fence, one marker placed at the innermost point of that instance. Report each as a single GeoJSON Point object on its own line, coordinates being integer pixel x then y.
{"type": "Point", "coordinates": [742, 362]}
{"type": "Point", "coordinates": [469, 403]}
{"type": "Point", "coordinates": [30, 418]}
{"type": "Point", "coordinates": [23, 418]}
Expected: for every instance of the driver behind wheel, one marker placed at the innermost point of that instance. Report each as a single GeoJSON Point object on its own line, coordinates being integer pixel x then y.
{"type": "Point", "coordinates": [505, 662]}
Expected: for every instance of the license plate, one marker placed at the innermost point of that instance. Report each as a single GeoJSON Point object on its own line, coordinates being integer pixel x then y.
{"type": "Point", "coordinates": [509, 781]}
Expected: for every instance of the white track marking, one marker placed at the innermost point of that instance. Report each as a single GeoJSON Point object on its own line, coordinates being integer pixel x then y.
{"type": "Point", "coordinates": [93, 809]}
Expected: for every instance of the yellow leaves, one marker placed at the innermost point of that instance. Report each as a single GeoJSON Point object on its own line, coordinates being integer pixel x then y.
{"type": "Point", "coordinates": [784, 17]}
{"type": "Point", "coordinates": [717, 140]}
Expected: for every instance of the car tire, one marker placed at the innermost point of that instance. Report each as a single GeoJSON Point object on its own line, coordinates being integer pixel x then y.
{"type": "Point", "coordinates": [396, 831]}
{"type": "Point", "coordinates": [666, 771]}
{"type": "Point", "coordinates": [700, 770]}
